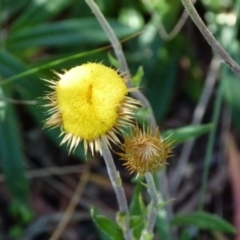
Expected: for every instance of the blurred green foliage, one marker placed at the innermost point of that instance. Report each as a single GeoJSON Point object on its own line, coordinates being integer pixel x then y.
{"type": "Point", "coordinates": [35, 33]}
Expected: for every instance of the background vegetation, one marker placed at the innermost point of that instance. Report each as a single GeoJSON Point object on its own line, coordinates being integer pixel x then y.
{"type": "Point", "coordinates": [182, 77]}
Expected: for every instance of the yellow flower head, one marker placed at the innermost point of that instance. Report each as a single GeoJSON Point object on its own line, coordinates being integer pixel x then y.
{"type": "Point", "coordinates": [89, 103]}
{"type": "Point", "coordinates": [143, 152]}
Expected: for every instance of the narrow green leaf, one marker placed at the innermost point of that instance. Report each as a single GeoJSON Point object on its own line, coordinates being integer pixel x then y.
{"type": "Point", "coordinates": [79, 32]}
{"type": "Point", "coordinates": [113, 61]}
{"type": "Point", "coordinates": [11, 155]}
{"type": "Point", "coordinates": [9, 8]}
{"type": "Point", "coordinates": [142, 115]}
{"type": "Point", "coordinates": [37, 12]}
{"type": "Point", "coordinates": [163, 204]}
{"type": "Point", "coordinates": [136, 221]}
{"type": "Point", "coordinates": [136, 79]}
{"type": "Point", "coordinates": [136, 202]}
{"type": "Point", "coordinates": [231, 95]}
{"type": "Point", "coordinates": [184, 134]}
{"type": "Point", "coordinates": [66, 62]}
{"type": "Point", "coordinates": [137, 210]}
{"type": "Point", "coordinates": [204, 221]}
{"type": "Point", "coordinates": [162, 225]}
{"type": "Point", "coordinates": [107, 226]}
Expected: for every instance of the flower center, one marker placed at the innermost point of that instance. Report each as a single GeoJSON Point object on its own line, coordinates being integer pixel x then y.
{"type": "Point", "coordinates": [88, 97]}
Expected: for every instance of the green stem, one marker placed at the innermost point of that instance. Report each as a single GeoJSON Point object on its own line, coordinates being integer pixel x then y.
{"type": "Point", "coordinates": [210, 144]}
{"type": "Point", "coordinates": [117, 186]}
{"type": "Point", "coordinates": [151, 218]}
{"type": "Point", "coordinates": [111, 35]}
{"type": "Point", "coordinates": [209, 37]}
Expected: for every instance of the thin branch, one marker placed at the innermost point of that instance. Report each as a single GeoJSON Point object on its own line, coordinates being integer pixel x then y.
{"type": "Point", "coordinates": [210, 145]}
{"type": "Point", "coordinates": [198, 114]}
{"type": "Point", "coordinates": [209, 37]}
{"type": "Point", "coordinates": [147, 233]}
{"type": "Point", "coordinates": [160, 26]}
{"type": "Point", "coordinates": [50, 171]}
{"type": "Point", "coordinates": [71, 207]}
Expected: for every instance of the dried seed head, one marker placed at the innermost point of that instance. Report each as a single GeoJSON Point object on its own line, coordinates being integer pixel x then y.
{"type": "Point", "coordinates": [144, 152]}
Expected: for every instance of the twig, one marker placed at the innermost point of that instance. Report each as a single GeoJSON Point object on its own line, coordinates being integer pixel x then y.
{"type": "Point", "coordinates": [209, 37]}
{"type": "Point", "coordinates": [159, 24]}
{"type": "Point", "coordinates": [46, 223]}
{"type": "Point", "coordinates": [50, 171]}
{"type": "Point", "coordinates": [57, 185]}
{"type": "Point", "coordinates": [71, 207]}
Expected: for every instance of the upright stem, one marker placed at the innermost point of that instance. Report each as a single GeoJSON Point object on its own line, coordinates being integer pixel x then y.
{"type": "Point", "coordinates": [117, 47]}
{"type": "Point", "coordinates": [117, 186]}
{"type": "Point", "coordinates": [209, 83]}
{"type": "Point", "coordinates": [210, 145]}
{"type": "Point", "coordinates": [209, 37]}
{"type": "Point", "coordinates": [151, 218]}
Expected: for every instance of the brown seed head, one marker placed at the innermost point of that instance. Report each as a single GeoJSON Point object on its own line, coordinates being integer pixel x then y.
{"type": "Point", "coordinates": [144, 152]}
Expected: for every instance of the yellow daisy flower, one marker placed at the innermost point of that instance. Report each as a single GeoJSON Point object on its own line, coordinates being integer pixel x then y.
{"type": "Point", "coordinates": [90, 104]}
{"type": "Point", "coordinates": [144, 152]}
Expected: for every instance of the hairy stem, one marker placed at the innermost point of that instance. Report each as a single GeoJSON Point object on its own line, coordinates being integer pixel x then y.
{"type": "Point", "coordinates": [151, 218]}
{"type": "Point", "coordinates": [117, 47]}
{"type": "Point", "coordinates": [210, 145]}
{"type": "Point", "coordinates": [117, 186]}
{"type": "Point", "coordinates": [209, 37]}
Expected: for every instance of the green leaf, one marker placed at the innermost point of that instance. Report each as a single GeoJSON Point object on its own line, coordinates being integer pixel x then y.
{"type": "Point", "coordinates": [21, 212]}
{"type": "Point", "coordinates": [107, 226]}
{"type": "Point", "coordinates": [185, 235]}
{"type": "Point", "coordinates": [204, 221]}
{"type": "Point", "coordinates": [113, 61]}
{"type": "Point", "coordinates": [163, 204]}
{"type": "Point", "coordinates": [11, 155]}
{"type": "Point", "coordinates": [136, 221]}
{"type": "Point", "coordinates": [37, 12]}
{"type": "Point", "coordinates": [136, 207]}
{"type": "Point", "coordinates": [16, 232]}
{"type": "Point", "coordinates": [9, 8]}
{"type": "Point", "coordinates": [231, 95]}
{"type": "Point", "coordinates": [136, 79]}
{"type": "Point", "coordinates": [184, 134]}
{"type": "Point", "coordinates": [74, 32]}
{"type": "Point", "coordinates": [162, 225]}
{"type": "Point", "coordinates": [142, 115]}
{"type": "Point", "coordinates": [137, 210]}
